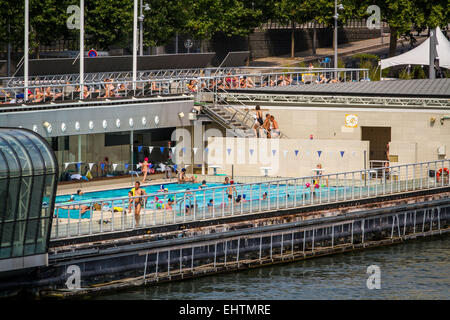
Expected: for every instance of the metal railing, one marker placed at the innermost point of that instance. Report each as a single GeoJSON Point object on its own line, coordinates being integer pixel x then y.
{"type": "Point", "coordinates": [118, 76]}
{"type": "Point", "coordinates": [118, 214]}
{"type": "Point", "coordinates": [184, 85]}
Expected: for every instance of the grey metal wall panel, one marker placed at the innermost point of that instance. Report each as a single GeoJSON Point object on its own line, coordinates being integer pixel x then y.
{"type": "Point", "coordinates": [166, 111]}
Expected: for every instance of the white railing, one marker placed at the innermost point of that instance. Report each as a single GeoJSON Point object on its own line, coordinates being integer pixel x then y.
{"type": "Point", "coordinates": [118, 214]}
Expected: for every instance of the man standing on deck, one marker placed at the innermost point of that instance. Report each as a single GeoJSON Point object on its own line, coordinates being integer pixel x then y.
{"type": "Point", "coordinates": [137, 202]}
{"type": "Point", "coordinates": [266, 126]}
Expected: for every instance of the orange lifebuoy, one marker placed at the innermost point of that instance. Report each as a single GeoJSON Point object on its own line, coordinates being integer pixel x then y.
{"type": "Point", "coordinates": [439, 172]}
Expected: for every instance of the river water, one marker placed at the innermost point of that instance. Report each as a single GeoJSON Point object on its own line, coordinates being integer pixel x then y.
{"type": "Point", "coordinates": [413, 270]}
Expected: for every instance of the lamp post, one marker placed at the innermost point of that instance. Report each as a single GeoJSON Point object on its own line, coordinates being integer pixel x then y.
{"type": "Point", "coordinates": [25, 64]}
{"type": "Point", "coordinates": [141, 26]}
{"type": "Point", "coordinates": [336, 16]}
{"type": "Point", "coordinates": [135, 18]}
{"type": "Point", "coordinates": [81, 49]}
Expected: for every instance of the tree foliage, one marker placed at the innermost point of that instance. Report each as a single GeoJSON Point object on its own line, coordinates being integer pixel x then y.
{"type": "Point", "coordinates": [109, 22]}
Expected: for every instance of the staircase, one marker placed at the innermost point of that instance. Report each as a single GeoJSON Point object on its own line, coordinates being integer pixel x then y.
{"type": "Point", "coordinates": [236, 120]}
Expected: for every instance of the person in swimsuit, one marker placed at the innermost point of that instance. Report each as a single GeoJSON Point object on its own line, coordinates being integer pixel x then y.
{"type": "Point", "coordinates": [230, 190]}
{"type": "Point", "coordinates": [274, 128]}
{"type": "Point", "coordinates": [266, 126]}
{"type": "Point", "coordinates": [145, 169]}
{"type": "Point", "coordinates": [138, 203]}
{"type": "Point", "coordinates": [258, 121]}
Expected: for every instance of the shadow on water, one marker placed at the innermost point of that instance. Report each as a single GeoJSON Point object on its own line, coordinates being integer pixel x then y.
{"type": "Point", "coordinates": [413, 270]}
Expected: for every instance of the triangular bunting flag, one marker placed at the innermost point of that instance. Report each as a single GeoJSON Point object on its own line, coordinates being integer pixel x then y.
{"type": "Point", "coordinates": [273, 152]}
{"type": "Point", "coordinates": [183, 149]}
{"type": "Point", "coordinates": [138, 165]}
{"type": "Point", "coordinates": [285, 152]}
{"type": "Point", "coordinates": [66, 164]}
{"type": "Point", "coordinates": [342, 154]}
{"type": "Point", "coordinates": [319, 153]}
{"type": "Point", "coordinates": [150, 149]}
{"type": "Point", "coordinates": [139, 148]}
{"type": "Point", "coordinates": [296, 152]}
{"type": "Point", "coordinates": [161, 149]}
{"type": "Point", "coordinates": [173, 149]}
{"type": "Point", "coordinates": [251, 151]}
{"type": "Point", "coordinates": [206, 150]}
{"type": "Point", "coordinates": [102, 165]}
{"type": "Point", "coordinates": [78, 165]}
{"type": "Point", "coordinates": [114, 166]}
{"type": "Point", "coordinates": [195, 150]}
{"type": "Point", "coordinates": [229, 151]}
{"type": "Point", "coordinates": [126, 165]}
{"type": "Point", "coordinates": [90, 166]}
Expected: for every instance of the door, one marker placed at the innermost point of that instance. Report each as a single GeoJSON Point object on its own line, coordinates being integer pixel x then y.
{"type": "Point", "coordinates": [378, 138]}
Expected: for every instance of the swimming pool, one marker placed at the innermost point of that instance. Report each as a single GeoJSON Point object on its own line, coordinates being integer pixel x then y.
{"type": "Point", "coordinates": [263, 194]}
{"type": "Point", "coordinates": [123, 192]}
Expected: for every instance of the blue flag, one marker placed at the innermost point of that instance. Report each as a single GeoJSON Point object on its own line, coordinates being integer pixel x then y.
{"type": "Point", "coordinates": [251, 152]}
{"type": "Point", "coordinates": [126, 165]}
{"type": "Point", "coordinates": [342, 154]}
{"type": "Point", "coordinates": [274, 151]}
{"type": "Point", "coordinates": [78, 165]}
{"type": "Point", "coordinates": [229, 151]}
{"type": "Point", "coordinates": [102, 165]}
{"type": "Point", "coordinates": [139, 148]}
{"type": "Point", "coordinates": [296, 152]}
{"type": "Point", "coordinates": [206, 150]}
{"type": "Point", "coordinates": [162, 149]}
{"type": "Point", "coordinates": [183, 149]}
{"type": "Point", "coordinates": [319, 153]}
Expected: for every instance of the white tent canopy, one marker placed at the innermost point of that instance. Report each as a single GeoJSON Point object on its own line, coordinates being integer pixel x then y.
{"type": "Point", "coordinates": [421, 54]}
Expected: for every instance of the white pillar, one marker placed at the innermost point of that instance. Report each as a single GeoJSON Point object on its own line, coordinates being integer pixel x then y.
{"type": "Point", "coordinates": [135, 43]}
{"type": "Point", "coordinates": [25, 50]}
{"type": "Point", "coordinates": [81, 48]}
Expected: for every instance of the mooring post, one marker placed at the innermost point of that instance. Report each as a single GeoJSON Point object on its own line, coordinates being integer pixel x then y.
{"type": "Point", "coordinates": [332, 236]}
{"type": "Point", "coordinates": [271, 247]}
{"type": "Point", "coordinates": [260, 248]}
{"type": "Point", "coordinates": [215, 254]}
{"type": "Point", "coordinates": [237, 255]}
{"type": "Point", "coordinates": [192, 260]}
{"type": "Point", "coordinates": [226, 247]}
{"type": "Point", "coordinates": [145, 267]}
{"type": "Point", "coordinates": [313, 231]}
{"type": "Point", "coordinates": [157, 263]}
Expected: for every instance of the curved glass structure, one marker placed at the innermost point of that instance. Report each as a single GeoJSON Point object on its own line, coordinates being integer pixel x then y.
{"type": "Point", "coordinates": [28, 173]}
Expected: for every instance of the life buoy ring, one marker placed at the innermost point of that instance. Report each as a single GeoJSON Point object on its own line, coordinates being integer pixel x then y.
{"type": "Point", "coordinates": [440, 171]}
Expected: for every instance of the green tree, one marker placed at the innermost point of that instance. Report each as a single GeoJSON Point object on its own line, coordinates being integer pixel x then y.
{"type": "Point", "coordinates": [231, 17]}
{"type": "Point", "coordinates": [108, 22]}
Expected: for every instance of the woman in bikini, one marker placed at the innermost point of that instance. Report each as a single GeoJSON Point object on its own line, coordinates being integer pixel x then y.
{"type": "Point", "coordinates": [258, 121]}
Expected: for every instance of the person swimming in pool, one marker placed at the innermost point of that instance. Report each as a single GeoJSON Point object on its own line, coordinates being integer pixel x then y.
{"type": "Point", "coordinates": [78, 196]}
{"type": "Point", "coordinates": [264, 196]}
{"type": "Point", "coordinates": [203, 185]}
{"type": "Point", "coordinates": [137, 202]}
{"type": "Point", "coordinates": [227, 180]}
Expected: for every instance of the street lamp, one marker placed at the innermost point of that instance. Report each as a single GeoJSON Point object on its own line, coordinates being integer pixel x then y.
{"type": "Point", "coordinates": [145, 7]}
{"type": "Point", "coordinates": [336, 17]}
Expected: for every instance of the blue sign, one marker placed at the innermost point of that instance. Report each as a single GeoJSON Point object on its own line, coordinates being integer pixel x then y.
{"type": "Point", "coordinates": [92, 53]}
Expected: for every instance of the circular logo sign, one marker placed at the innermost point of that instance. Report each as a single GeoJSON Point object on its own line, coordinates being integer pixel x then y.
{"type": "Point", "coordinates": [188, 43]}
{"type": "Point", "coordinates": [92, 53]}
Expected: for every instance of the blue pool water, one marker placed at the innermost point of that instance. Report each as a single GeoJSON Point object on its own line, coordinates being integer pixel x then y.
{"type": "Point", "coordinates": [200, 197]}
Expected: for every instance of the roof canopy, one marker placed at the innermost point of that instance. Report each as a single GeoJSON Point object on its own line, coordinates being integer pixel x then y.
{"type": "Point", "coordinates": [421, 54]}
